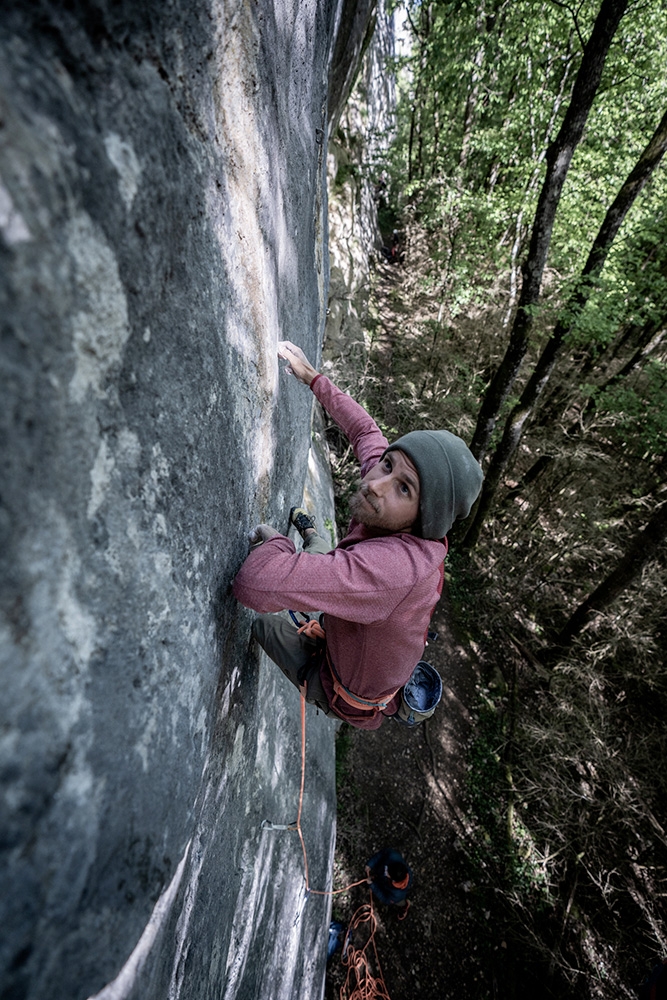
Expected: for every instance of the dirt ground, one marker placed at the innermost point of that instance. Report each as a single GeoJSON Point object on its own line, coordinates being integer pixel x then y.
{"type": "Point", "coordinates": [404, 788]}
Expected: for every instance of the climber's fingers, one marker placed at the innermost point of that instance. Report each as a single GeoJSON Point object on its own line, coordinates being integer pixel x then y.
{"type": "Point", "coordinates": [287, 350]}
{"type": "Point", "coordinates": [298, 365]}
{"type": "Point", "coordinates": [261, 533]}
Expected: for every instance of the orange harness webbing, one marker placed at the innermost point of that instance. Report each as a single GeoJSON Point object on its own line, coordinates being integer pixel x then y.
{"type": "Point", "coordinates": [374, 705]}
{"type": "Point", "coordinates": [314, 630]}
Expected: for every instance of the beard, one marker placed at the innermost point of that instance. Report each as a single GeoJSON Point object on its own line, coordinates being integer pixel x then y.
{"type": "Point", "coordinates": [363, 508]}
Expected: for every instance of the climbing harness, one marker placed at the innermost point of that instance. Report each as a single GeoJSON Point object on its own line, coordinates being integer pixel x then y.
{"type": "Point", "coordinates": [374, 705]}
{"type": "Point", "coordinates": [419, 697]}
{"type": "Point", "coordinates": [313, 628]}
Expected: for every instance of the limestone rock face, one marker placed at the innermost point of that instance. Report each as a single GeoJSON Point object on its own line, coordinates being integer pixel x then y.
{"type": "Point", "coordinates": [354, 30]}
{"type": "Point", "coordinates": [162, 225]}
{"type": "Point", "coordinates": [358, 180]}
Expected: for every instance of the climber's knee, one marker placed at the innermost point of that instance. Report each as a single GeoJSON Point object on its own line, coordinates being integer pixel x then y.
{"type": "Point", "coordinates": [293, 653]}
{"type": "Point", "coordinates": [316, 545]}
{"type": "Point", "coordinates": [258, 629]}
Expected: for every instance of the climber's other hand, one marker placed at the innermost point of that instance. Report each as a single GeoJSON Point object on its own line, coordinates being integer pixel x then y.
{"type": "Point", "coordinates": [261, 534]}
{"type": "Point", "coordinates": [298, 364]}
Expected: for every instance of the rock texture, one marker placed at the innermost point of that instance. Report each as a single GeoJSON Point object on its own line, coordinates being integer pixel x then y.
{"type": "Point", "coordinates": [162, 225]}
{"type": "Point", "coordinates": [357, 183]}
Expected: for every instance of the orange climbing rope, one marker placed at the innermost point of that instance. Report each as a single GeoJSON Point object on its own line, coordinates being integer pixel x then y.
{"type": "Point", "coordinates": [360, 983]}
{"type": "Point", "coordinates": [297, 825]}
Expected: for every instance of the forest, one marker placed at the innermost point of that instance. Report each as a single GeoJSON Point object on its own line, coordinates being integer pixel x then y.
{"type": "Point", "coordinates": [523, 305]}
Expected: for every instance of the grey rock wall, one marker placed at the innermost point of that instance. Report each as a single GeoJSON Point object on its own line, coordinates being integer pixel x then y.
{"type": "Point", "coordinates": [354, 30]}
{"type": "Point", "coordinates": [162, 225]}
{"type": "Point", "coordinates": [357, 170]}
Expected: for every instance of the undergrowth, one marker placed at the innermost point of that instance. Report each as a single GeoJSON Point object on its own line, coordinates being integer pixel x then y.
{"type": "Point", "coordinates": [565, 859]}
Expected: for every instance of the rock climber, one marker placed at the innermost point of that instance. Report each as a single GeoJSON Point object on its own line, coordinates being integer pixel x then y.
{"type": "Point", "coordinates": [378, 587]}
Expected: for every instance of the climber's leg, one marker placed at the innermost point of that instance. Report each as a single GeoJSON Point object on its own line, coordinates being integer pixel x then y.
{"type": "Point", "coordinates": [294, 654]}
{"type": "Point", "coordinates": [315, 544]}
{"type": "Point", "coordinates": [305, 525]}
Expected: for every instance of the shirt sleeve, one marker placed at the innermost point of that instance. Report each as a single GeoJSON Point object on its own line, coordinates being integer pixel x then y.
{"type": "Point", "coordinates": [372, 862]}
{"type": "Point", "coordinates": [366, 438]}
{"type": "Point", "coordinates": [355, 583]}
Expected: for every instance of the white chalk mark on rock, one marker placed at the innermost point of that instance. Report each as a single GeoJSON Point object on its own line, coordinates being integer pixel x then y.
{"type": "Point", "coordinates": [124, 159]}
{"type": "Point", "coordinates": [100, 478]}
{"type": "Point", "coordinates": [100, 330]}
{"type": "Point", "coordinates": [121, 986]}
{"type": "Point", "coordinates": [12, 225]}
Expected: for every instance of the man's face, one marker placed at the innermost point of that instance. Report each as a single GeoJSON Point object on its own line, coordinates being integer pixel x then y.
{"type": "Point", "coordinates": [388, 497]}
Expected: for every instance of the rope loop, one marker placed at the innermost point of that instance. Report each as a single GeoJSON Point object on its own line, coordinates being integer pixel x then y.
{"type": "Point", "coordinates": [360, 983]}
{"type": "Point", "coordinates": [312, 629]}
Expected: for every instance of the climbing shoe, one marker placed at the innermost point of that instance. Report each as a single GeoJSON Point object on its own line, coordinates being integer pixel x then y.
{"type": "Point", "coordinates": [301, 520]}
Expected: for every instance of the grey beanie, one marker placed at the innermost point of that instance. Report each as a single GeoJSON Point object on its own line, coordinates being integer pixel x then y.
{"type": "Point", "coordinates": [449, 478]}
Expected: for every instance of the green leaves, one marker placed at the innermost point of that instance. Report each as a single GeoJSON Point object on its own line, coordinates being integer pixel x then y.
{"type": "Point", "coordinates": [481, 98]}
{"type": "Point", "coordinates": [638, 411]}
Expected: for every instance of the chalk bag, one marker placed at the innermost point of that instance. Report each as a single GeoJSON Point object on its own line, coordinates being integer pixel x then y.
{"type": "Point", "coordinates": [420, 696]}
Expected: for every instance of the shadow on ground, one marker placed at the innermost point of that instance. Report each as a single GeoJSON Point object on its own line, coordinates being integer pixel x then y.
{"type": "Point", "coordinates": [404, 788]}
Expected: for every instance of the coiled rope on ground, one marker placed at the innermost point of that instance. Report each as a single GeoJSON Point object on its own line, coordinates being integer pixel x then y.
{"type": "Point", "coordinates": [360, 983]}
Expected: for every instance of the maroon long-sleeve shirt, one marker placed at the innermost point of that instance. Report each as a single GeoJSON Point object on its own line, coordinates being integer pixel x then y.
{"type": "Point", "coordinates": [377, 589]}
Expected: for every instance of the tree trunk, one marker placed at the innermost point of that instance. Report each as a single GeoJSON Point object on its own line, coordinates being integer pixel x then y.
{"type": "Point", "coordinates": [473, 94]}
{"type": "Point", "coordinates": [559, 157]}
{"type": "Point", "coordinates": [517, 243]}
{"type": "Point", "coordinates": [643, 352]}
{"type": "Point", "coordinates": [523, 411]}
{"type": "Point", "coordinates": [643, 336]}
{"type": "Point", "coordinates": [641, 549]}
{"type": "Point", "coordinates": [539, 467]}
{"type": "Point", "coordinates": [436, 136]}
{"type": "Point", "coordinates": [411, 139]}
{"type": "Point", "coordinates": [420, 38]}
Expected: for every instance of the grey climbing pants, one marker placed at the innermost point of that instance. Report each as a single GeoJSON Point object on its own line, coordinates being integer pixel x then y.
{"type": "Point", "coordinates": [292, 652]}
